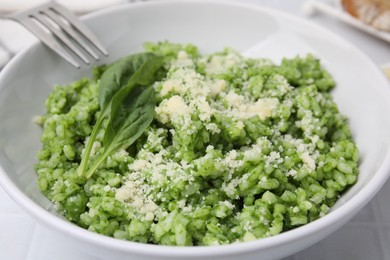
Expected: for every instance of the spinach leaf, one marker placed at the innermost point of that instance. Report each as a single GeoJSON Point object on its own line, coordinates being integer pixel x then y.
{"type": "Point", "coordinates": [131, 114]}
{"type": "Point", "coordinates": [123, 75]}
{"type": "Point", "coordinates": [118, 75]}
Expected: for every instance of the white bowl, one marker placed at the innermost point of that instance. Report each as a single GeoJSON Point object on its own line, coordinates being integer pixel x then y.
{"type": "Point", "coordinates": [362, 94]}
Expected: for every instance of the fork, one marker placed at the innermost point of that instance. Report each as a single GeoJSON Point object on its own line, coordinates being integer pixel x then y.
{"type": "Point", "coordinates": [61, 31]}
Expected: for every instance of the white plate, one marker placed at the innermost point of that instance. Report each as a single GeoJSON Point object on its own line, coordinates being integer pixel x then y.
{"type": "Point", "coordinates": [337, 11]}
{"type": "Point", "coordinates": [384, 35]}
{"type": "Point", "coordinates": [362, 94]}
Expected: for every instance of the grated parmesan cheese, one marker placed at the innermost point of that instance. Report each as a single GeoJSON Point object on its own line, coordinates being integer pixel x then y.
{"type": "Point", "coordinates": [168, 109]}
{"type": "Point", "coordinates": [309, 161]}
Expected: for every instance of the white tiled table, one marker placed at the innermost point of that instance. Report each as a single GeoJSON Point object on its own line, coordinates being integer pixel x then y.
{"type": "Point", "coordinates": [367, 236]}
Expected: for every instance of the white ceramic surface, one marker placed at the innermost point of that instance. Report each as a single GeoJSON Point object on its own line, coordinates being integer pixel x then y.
{"type": "Point", "coordinates": [337, 11]}
{"type": "Point", "coordinates": [362, 95]}
{"type": "Point", "coordinates": [78, 6]}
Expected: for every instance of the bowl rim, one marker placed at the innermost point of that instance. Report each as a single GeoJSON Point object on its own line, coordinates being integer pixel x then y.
{"type": "Point", "coordinates": [356, 202]}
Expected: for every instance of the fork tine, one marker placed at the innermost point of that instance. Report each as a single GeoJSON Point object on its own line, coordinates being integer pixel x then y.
{"type": "Point", "coordinates": [69, 30]}
{"type": "Point", "coordinates": [58, 33]}
{"type": "Point", "coordinates": [54, 25]}
{"type": "Point", "coordinates": [47, 39]}
{"type": "Point", "coordinates": [73, 20]}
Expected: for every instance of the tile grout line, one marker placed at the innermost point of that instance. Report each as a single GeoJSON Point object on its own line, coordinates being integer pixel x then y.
{"type": "Point", "coordinates": [7, 51]}
{"type": "Point", "coordinates": [4, 47]}
{"type": "Point", "coordinates": [373, 224]}
{"type": "Point", "coordinates": [378, 226]}
{"type": "Point", "coordinates": [32, 242]}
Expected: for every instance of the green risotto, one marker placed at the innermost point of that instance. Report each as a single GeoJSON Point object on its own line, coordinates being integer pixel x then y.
{"type": "Point", "coordinates": [227, 149]}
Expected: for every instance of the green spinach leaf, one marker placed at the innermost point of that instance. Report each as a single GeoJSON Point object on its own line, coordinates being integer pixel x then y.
{"type": "Point", "coordinates": [118, 75]}
{"type": "Point", "coordinates": [131, 114]}
{"type": "Point", "coordinates": [135, 70]}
